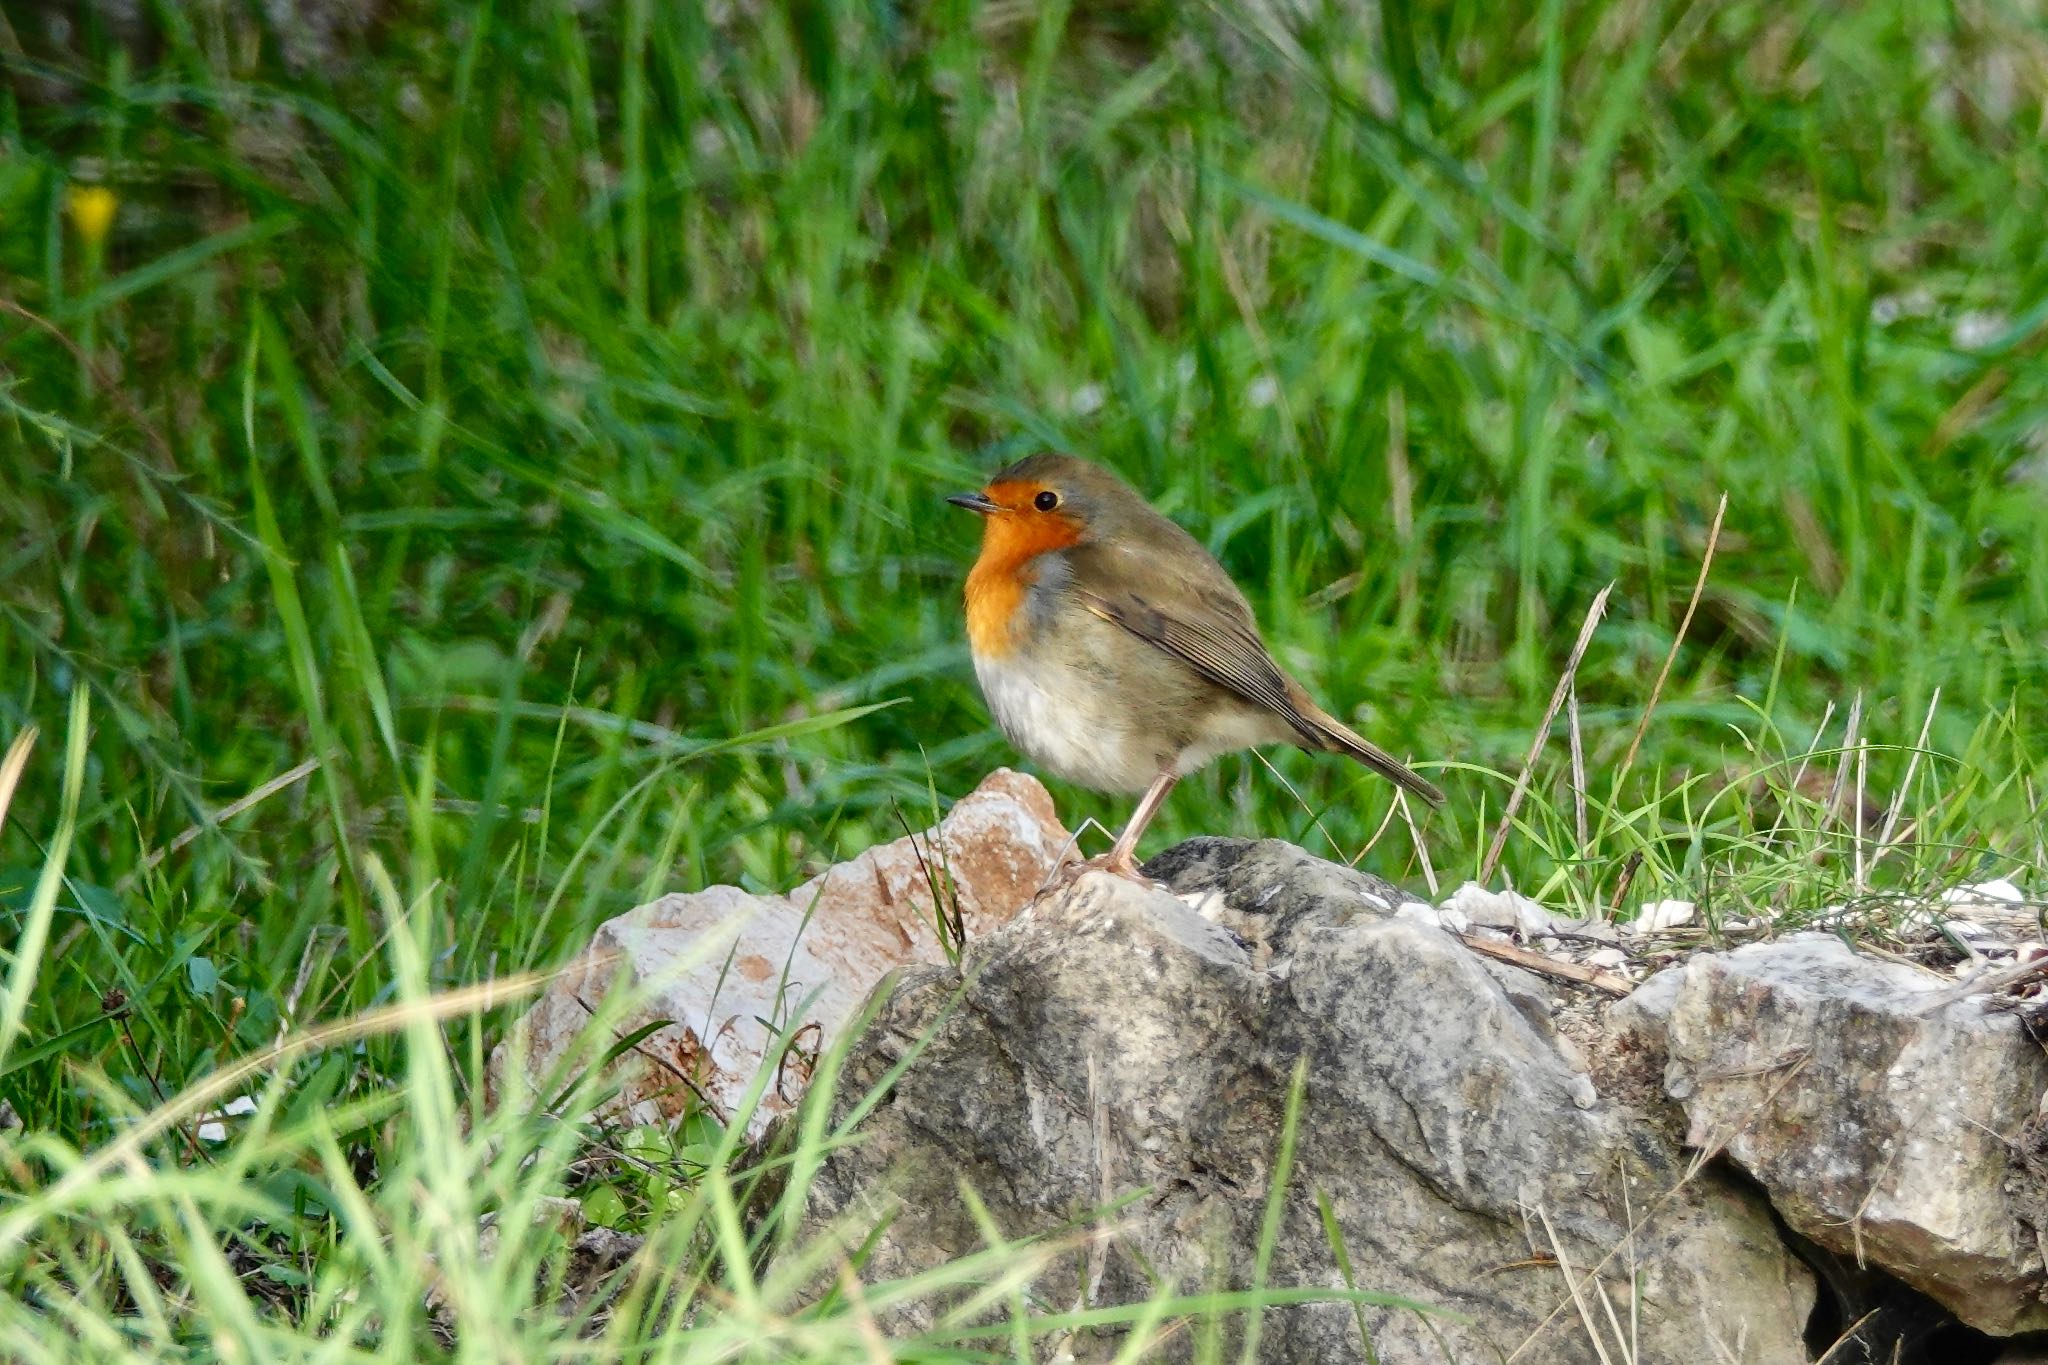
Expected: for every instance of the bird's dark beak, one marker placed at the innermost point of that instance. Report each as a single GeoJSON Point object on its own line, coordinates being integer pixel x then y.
{"type": "Point", "coordinates": [975, 502]}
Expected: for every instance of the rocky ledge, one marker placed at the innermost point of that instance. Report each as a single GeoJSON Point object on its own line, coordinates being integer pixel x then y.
{"type": "Point", "coordinates": [1780, 1152]}
{"type": "Point", "coordinates": [1118, 1041]}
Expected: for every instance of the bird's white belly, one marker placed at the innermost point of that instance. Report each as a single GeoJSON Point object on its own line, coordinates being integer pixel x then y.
{"type": "Point", "coordinates": [1226, 732]}
{"type": "Point", "coordinates": [1066, 722]}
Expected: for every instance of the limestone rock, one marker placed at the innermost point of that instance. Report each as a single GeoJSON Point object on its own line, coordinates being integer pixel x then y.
{"type": "Point", "coordinates": [1113, 1043]}
{"type": "Point", "coordinates": [1656, 916]}
{"type": "Point", "coordinates": [1508, 910]}
{"type": "Point", "coordinates": [1885, 1124]}
{"type": "Point", "coordinates": [727, 964]}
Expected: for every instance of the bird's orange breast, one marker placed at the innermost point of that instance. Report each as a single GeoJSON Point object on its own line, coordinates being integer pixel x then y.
{"type": "Point", "coordinates": [1010, 543]}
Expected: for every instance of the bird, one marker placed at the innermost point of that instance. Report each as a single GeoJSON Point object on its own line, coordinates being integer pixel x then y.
{"type": "Point", "coordinates": [1116, 653]}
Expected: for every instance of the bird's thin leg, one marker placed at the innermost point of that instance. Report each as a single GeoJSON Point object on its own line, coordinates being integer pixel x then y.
{"type": "Point", "coordinates": [1121, 859]}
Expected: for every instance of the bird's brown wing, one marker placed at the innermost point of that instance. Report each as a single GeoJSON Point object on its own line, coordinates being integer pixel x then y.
{"type": "Point", "coordinates": [1205, 624]}
{"type": "Point", "coordinates": [1225, 654]}
{"type": "Point", "coordinates": [1200, 618]}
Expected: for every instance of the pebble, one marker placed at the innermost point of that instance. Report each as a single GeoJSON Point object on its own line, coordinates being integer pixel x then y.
{"type": "Point", "coordinates": [211, 1129]}
{"type": "Point", "coordinates": [1999, 890]}
{"type": "Point", "coordinates": [1655, 915]}
{"type": "Point", "coordinates": [1500, 910]}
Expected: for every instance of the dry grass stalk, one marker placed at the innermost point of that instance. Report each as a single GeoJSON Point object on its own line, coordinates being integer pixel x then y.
{"type": "Point", "coordinates": [1671, 657]}
{"type": "Point", "coordinates": [1852, 735]}
{"type": "Point", "coordinates": [1790, 1065]}
{"type": "Point", "coordinates": [1848, 1337]}
{"type": "Point", "coordinates": [1401, 491]}
{"type": "Point", "coordinates": [228, 812]}
{"type": "Point", "coordinates": [1557, 696]}
{"type": "Point", "coordinates": [871, 1339]}
{"type": "Point", "coordinates": [1386, 822]}
{"type": "Point", "coordinates": [1534, 961]}
{"type": "Point", "coordinates": [1891, 818]}
{"type": "Point", "coordinates": [1985, 981]}
{"type": "Point", "coordinates": [1770, 840]}
{"type": "Point", "coordinates": [1571, 722]}
{"type": "Point", "coordinates": [2040, 822]}
{"type": "Point", "coordinates": [1314, 818]}
{"type": "Point", "coordinates": [1421, 848]}
{"type": "Point", "coordinates": [11, 768]}
{"type": "Point", "coordinates": [1629, 868]}
{"type": "Point", "coordinates": [1573, 1285]}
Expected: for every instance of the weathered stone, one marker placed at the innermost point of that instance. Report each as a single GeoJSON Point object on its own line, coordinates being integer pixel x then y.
{"type": "Point", "coordinates": [1506, 910]}
{"type": "Point", "coordinates": [1657, 916]}
{"type": "Point", "coordinates": [728, 969]}
{"type": "Point", "coordinates": [1884, 1124]}
{"type": "Point", "coordinates": [1115, 1042]}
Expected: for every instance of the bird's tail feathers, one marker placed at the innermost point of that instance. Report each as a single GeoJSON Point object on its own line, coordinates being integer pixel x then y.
{"type": "Point", "coordinates": [1339, 738]}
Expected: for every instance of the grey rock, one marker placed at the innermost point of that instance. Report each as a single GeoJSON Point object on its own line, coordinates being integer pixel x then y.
{"type": "Point", "coordinates": [1601, 930]}
{"type": "Point", "coordinates": [1630, 1051]}
{"type": "Point", "coordinates": [1509, 911]}
{"type": "Point", "coordinates": [1644, 1018]}
{"type": "Point", "coordinates": [724, 972]}
{"type": "Point", "coordinates": [1886, 1125]}
{"type": "Point", "coordinates": [1268, 885]}
{"type": "Point", "coordinates": [1112, 1045]}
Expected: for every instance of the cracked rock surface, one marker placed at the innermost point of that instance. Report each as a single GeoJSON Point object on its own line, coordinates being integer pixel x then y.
{"type": "Point", "coordinates": [1119, 1045]}
{"type": "Point", "coordinates": [1890, 1121]}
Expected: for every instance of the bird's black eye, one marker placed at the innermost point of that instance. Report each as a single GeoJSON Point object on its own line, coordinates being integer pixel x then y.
{"type": "Point", "coordinates": [1046, 501]}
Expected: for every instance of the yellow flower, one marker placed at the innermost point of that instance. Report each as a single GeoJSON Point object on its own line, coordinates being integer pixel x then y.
{"type": "Point", "coordinates": [92, 211]}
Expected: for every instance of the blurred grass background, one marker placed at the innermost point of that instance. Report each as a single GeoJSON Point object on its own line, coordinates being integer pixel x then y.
{"type": "Point", "coordinates": [522, 428]}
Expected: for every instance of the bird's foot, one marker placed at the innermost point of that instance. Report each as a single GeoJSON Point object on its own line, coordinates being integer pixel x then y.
{"type": "Point", "coordinates": [1114, 862]}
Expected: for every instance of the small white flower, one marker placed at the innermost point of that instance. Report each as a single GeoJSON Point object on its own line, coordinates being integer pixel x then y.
{"type": "Point", "coordinates": [1085, 400]}
{"type": "Point", "coordinates": [1261, 392]}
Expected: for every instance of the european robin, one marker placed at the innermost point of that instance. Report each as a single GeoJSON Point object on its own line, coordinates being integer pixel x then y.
{"type": "Point", "coordinates": [1115, 651]}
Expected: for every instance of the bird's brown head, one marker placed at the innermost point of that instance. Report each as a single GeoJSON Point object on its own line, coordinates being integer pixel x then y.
{"type": "Point", "coordinates": [1040, 504]}
{"type": "Point", "coordinates": [1048, 502]}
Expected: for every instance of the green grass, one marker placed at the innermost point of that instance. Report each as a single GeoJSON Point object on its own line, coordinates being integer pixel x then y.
{"type": "Point", "coordinates": [539, 426]}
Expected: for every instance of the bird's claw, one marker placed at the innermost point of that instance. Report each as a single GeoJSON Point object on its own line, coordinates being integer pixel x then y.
{"type": "Point", "coordinates": [1125, 866]}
